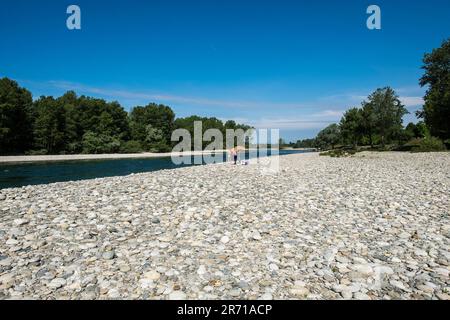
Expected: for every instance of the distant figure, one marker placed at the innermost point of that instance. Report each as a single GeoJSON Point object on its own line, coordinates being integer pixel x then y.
{"type": "Point", "coordinates": [234, 155]}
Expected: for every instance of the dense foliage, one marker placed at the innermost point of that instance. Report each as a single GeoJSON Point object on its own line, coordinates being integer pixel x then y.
{"type": "Point", "coordinates": [74, 124]}
{"type": "Point", "coordinates": [436, 111]}
{"type": "Point", "coordinates": [378, 121]}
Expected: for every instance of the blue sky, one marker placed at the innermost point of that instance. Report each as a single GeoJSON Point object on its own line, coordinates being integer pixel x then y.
{"type": "Point", "coordinates": [292, 65]}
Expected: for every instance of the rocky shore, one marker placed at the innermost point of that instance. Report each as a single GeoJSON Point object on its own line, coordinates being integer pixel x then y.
{"type": "Point", "coordinates": [372, 226]}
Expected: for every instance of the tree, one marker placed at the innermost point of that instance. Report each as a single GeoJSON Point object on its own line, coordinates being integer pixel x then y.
{"type": "Point", "coordinates": [305, 143]}
{"type": "Point", "coordinates": [418, 130]}
{"type": "Point", "coordinates": [351, 126]}
{"type": "Point", "coordinates": [16, 117]}
{"type": "Point", "coordinates": [74, 124]}
{"type": "Point", "coordinates": [436, 111]}
{"type": "Point", "coordinates": [328, 137]}
{"type": "Point", "coordinates": [368, 122]}
{"type": "Point", "coordinates": [49, 125]}
{"type": "Point", "coordinates": [160, 118]}
{"type": "Point", "coordinates": [385, 113]}
{"type": "Point", "coordinates": [96, 144]}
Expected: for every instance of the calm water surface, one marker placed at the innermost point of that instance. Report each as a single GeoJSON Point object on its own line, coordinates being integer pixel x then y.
{"type": "Point", "coordinates": [17, 175]}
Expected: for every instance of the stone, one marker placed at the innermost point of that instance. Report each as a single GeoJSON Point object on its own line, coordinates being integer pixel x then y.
{"type": "Point", "coordinates": [346, 294]}
{"type": "Point", "coordinates": [124, 268]}
{"type": "Point", "coordinates": [235, 293]}
{"type": "Point", "coordinates": [243, 285]}
{"type": "Point", "coordinates": [201, 270]}
{"type": "Point", "coordinates": [425, 288]}
{"type": "Point", "coordinates": [225, 239]}
{"type": "Point", "coordinates": [114, 294]}
{"type": "Point", "coordinates": [156, 220]}
{"type": "Point", "coordinates": [177, 295]}
{"type": "Point", "coordinates": [12, 242]}
{"type": "Point", "coordinates": [266, 296]}
{"type": "Point", "coordinates": [363, 269]}
{"type": "Point", "coordinates": [109, 255]}
{"type": "Point", "coordinates": [5, 261]}
{"type": "Point", "coordinates": [361, 296]}
{"type": "Point", "coordinates": [21, 222]}
{"type": "Point", "coordinates": [398, 285]}
{"type": "Point", "coordinates": [299, 291]}
{"type": "Point", "coordinates": [256, 235]}
{"type": "Point", "coordinates": [152, 275]}
{"type": "Point", "coordinates": [57, 283]}
{"type": "Point", "coordinates": [273, 267]}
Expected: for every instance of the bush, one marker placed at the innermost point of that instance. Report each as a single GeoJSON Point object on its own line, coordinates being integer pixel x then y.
{"type": "Point", "coordinates": [132, 146]}
{"type": "Point", "coordinates": [427, 144]}
{"type": "Point", "coordinates": [430, 144]}
{"type": "Point", "coordinates": [338, 153]}
{"type": "Point", "coordinates": [41, 152]}
{"type": "Point", "coordinates": [447, 143]}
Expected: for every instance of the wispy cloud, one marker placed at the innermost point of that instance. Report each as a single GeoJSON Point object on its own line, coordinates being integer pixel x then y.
{"type": "Point", "coordinates": [329, 114]}
{"type": "Point", "coordinates": [286, 123]}
{"type": "Point", "coordinates": [411, 102]}
{"type": "Point", "coordinates": [169, 98]}
{"type": "Point", "coordinates": [325, 102]}
{"type": "Point", "coordinates": [315, 114]}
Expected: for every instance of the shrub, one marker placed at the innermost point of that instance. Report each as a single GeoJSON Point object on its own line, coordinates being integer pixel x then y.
{"type": "Point", "coordinates": [132, 146]}
{"type": "Point", "coordinates": [41, 152]}
{"type": "Point", "coordinates": [338, 153]}
{"type": "Point", "coordinates": [429, 144]}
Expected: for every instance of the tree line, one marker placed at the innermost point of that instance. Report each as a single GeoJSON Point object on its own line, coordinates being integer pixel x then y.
{"type": "Point", "coordinates": [74, 124]}
{"type": "Point", "coordinates": [378, 122]}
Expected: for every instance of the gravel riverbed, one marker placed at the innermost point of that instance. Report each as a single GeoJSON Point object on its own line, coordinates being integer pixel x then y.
{"type": "Point", "coordinates": [372, 226]}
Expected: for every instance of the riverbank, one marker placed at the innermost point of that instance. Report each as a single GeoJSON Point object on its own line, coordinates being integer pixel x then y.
{"type": "Point", "coordinates": [112, 156]}
{"type": "Point", "coordinates": [372, 226]}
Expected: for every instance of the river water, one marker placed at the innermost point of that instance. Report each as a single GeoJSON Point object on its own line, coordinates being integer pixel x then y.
{"type": "Point", "coordinates": [23, 174]}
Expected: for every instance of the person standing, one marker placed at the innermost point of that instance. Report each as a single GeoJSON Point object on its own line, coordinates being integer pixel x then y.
{"type": "Point", "coordinates": [234, 155]}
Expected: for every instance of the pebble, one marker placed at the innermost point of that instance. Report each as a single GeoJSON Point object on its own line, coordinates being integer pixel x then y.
{"type": "Point", "coordinates": [57, 283]}
{"type": "Point", "coordinates": [152, 275]}
{"type": "Point", "coordinates": [21, 222]}
{"type": "Point", "coordinates": [109, 255]}
{"type": "Point", "coordinates": [371, 226]}
{"type": "Point", "coordinates": [177, 295]}
{"type": "Point", "coordinates": [225, 239]}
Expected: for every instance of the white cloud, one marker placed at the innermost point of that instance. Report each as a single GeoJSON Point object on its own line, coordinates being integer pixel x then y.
{"type": "Point", "coordinates": [285, 123]}
{"type": "Point", "coordinates": [412, 101]}
{"type": "Point", "coordinates": [329, 113]}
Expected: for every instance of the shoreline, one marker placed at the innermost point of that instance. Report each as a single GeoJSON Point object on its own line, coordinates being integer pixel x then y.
{"type": "Point", "coordinates": [110, 156]}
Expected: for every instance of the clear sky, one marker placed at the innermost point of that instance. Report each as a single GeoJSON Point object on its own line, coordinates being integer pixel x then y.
{"type": "Point", "coordinates": [293, 65]}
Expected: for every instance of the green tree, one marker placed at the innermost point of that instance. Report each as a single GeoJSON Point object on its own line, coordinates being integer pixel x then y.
{"type": "Point", "coordinates": [16, 118]}
{"type": "Point", "coordinates": [418, 130]}
{"type": "Point", "coordinates": [368, 122]}
{"type": "Point", "coordinates": [99, 143]}
{"type": "Point", "coordinates": [385, 112]}
{"type": "Point", "coordinates": [436, 111]}
{"type": "Point", "coordinates": [329, 137]}
{"type": "Point", "coordinates": [351, 126]}
{"type": "Point", "coordinates": [49, 125]}
{"type": "Point", "coordinates": [160, 118]}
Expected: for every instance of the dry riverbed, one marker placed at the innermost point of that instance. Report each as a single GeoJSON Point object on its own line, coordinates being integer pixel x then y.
{"type": "Point", "coordinates": [373, 226]}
